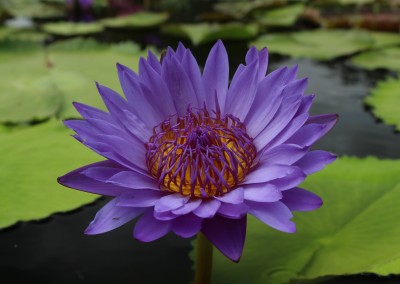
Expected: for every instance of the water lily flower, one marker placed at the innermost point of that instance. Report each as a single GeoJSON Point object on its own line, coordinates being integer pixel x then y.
{"type": "Point", "coordinates": [186, 151]}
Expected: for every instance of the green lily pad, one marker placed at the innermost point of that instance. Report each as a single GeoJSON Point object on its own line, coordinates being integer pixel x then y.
{"type": "Point", "coordinates": [241, 9]}
{"type": "Point", "coordinates": [71, 29]}
{"type": "Point", "coordinates": [325, 44]}
{"type": "Point", "coordinates": [388, 58]}
{"type": "Point", "coordinates": [385, 100]}
{"type": "Point", "coordinates": [26, 92]}
{"type": "Point", "coordinates": [31, 90]}
{"type": "Point", "coordinates": [281, 17]}
{"type": "Point", "coordinates": [32, 8]}
{"type": "Point", "coordinates": [204, 32]}
{"type": "Point", "coordinates": [78, 64]}
{"type": "Point", "coordinates": [137, 21]}
{"type": "Point", "coordinates": [32, 159]}
{"type": "Point", "coordinates": [355, 231]}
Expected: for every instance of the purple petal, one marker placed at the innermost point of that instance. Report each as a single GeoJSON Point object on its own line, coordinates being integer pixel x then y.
{"type": "Point", "coordinates": [291, 74]}
{"type": "Point", "coordinates": [165, 216]}
{"type": "Point", "coordinates": [77, 180]}
{"type": "Point", "coordinates": [139, 198]}
{"type": "Point", "coordinates": [179, 85]}
{"type": "Point", "coordinates": [137, 99]}
{"type": "Point", "coordinates": [153, 61]}
{"type": "Point", "coordinates": [188, 207]}
{"type": "Point", "coordinates": [112, 216]}
{"type": "Point", "coordinates": [207, 208]}
{"type": "Point", "coordinates": [315, 161]}
{"type": "Point", "coordinates": [284, 154]}
{"type": "Point", "coordinates": [298, 199]}
{"type": "Point", "coordinates": [262, 58]}
{"type": "Point", "coordinates": [266, 103]}
{"type": "Point", "coordinates": [180, 51]}
{"type": "Point", "coordinates": [191, 67]}
{"type": "Point", "coordinates": [297, 87]}
{"type": "Point", "coordinates": [102, 173]}
{"type": "Point", "coordinates": [264, 173]}
{"type": "Point", "coordinates": [260, 192]}
{"type": "Point", "coordinates": [234, 197]}
{"type": "Point", "coordinates": [91, 112]}
{"type": "Point", "coordinates": [170, 202]}
{"type": "Point", "coordinates": [317, 127]}
{"type": "Point", "coordinates": [242, 91]}
{"type": "Point", "coordinates": [285, 114]}
{"type": "Point", "coordinates": [187, 226]}
{"type": "Point", "coordinates": [289, 181]}
{"type": "Point", "coordinates": [276, 215]}
{"type": "Point", "coordinates": [216, 76]}
{"type": "Point", "coordinates": [292, 127]}
{"type": "Point", "coordinates": [233, 211]}
{"type": "Point", "coordinates": [113, 101]}
{"type": "Point", "coordinates": [227, 235]}
{"type": "Point", "coordinates": [149, 229]}
{"type": "Point", "coordinates": [133, 180]}
{"type": "Point", "coordinates": [156, 89]}
{"type": "Point", "coordinates": [306, 103]}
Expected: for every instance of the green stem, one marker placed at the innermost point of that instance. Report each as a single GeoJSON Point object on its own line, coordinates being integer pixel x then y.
{"type": "Point", "coordinates": [203, 260]}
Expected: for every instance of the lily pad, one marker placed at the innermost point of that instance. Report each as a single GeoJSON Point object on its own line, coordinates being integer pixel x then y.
{"type": "Point", "coordinates": [204, 32]}
{"type": "Point", "coordinates": [325, 44]}
{"type": "Point", "coordinates": [355, 231]}
{"type": "Point", "coordinates": [32, 159]}
{"type": "Point", "coordinates": [26, 92]}
{"type": "Point", "coordinates": [385, 101]}
{"type": "Point", "coordinates": [137, 21]}
{"type": "Point", "coordinates": [77, 64]}
{"type": "Point", "coordinates": [240, 9]}
{"type": "Point", "coordinates": [32, 8]}
{"type": "Point", "coordinates": [71, 29]}
{"type": "Point", "coordinates": [281, 17]}
{"type": "Point", "coordinates": [388, 58]}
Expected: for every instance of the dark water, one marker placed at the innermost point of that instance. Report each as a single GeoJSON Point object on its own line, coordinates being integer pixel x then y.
{"type": "Point", "coordinates": [56, 251]}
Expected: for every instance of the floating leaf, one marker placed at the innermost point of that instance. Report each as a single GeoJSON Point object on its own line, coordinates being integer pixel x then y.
{"type": "Point", "coordinates": [388, 58]}
{"type": "Point", "coordinates": [78, 64]}
{"type": "Point", "coordinates": [355, 231]}
{"type": "Point", "coordinates": [26, 92]}
{"type": "Point", "coordinates": [137, 21]}
{"type": "Point", "coordinates": [30, 91]}
{"type": "Point", "coordinates": [240, 9]}
{"type": "Point", "coordinates": [325, 44]}
{"type": "Point", "coordinates": [32, 9]}
{"type": "Point", "coordinates": [385, 101]}
{"type": "Point", "coordinates": [32, 159]}
{"type": "Point", "coordinates": [281, 17]}
{"type": "Point", "coordinates": [204, 32]}
{"type": "Point", "coordinates": [70, 29]}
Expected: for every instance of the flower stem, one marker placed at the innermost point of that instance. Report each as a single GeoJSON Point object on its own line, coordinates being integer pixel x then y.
{"type": "Point", "coordinates": [203, 260]}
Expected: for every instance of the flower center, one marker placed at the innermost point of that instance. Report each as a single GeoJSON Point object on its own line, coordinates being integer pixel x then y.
{"type": "Point", "coordinates": [198, 155]}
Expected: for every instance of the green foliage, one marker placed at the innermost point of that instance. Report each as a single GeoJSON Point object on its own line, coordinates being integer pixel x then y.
{"type": "Point", "coordinates": [37, 85]}
{"type": "Point", "coordinates": [281, 17]}
{"type": "Point", "coordinates": [26, 92]}
{"type": "Point", "coordinates": [137, 20]}
{"type": "Point", "coordinates": [355, 231]}
{"type": "Point", "coordinates": [388, 58]}
{"type": "Point", "coordinates": [32, 8]}
{"type": "Point", "coordinates": [32, 159]}
{"type": "Point", "coordinates": [69, 29]}
{"type": "Point", "coordinates": [325, 44]}
{"type": "Point", "coordinates": [205, 33]}
{"type": "Point", "coordinates": [385, 101]}
{"type": "Point", "coordinates": [75, 73]}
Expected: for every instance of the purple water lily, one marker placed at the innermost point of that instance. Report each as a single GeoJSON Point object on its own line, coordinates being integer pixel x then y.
{"type": "Point", "coordinates": [189, 152]}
